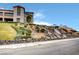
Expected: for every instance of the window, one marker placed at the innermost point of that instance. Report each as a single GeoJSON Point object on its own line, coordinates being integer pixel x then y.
{"type": "Point", "coordinates": [1, 13]}
{"type": "Point", "coordinates": [18, 11]}
{"type": "Point", "coordinates": [1, 19]}
{"type": "Point", "coordinates": [18, 19]}
{"type": "Point", "coordinates": [8, 20]}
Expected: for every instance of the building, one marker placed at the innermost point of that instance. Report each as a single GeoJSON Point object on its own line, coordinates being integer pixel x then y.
{"type": "Point", "coordinates": [18, 14]}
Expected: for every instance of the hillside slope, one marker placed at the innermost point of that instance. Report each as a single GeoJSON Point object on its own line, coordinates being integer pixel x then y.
{"type": "Point", "coordinates": [7, 32]}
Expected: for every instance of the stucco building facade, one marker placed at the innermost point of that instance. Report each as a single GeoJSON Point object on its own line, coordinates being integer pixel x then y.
{"type": "Point", "coordinates": [18, 14]}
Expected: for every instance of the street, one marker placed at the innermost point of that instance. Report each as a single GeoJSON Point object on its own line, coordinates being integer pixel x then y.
{"type": "Point", "coordinates": [69, 47]}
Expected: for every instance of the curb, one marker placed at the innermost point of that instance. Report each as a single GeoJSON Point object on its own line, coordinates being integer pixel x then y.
{"type": "Point", "coordinates": [21, 45]}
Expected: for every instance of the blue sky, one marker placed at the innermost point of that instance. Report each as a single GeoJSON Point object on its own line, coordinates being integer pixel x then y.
{"type": "Point", "coordinates": [51, 13]}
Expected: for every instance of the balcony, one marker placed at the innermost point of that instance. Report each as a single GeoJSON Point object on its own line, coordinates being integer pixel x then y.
{"type": "Point", "coordinates": [8, 14]}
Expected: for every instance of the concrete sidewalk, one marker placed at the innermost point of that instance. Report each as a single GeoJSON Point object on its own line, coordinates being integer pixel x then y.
{"type": "Point", "coordinates": [20, 45]}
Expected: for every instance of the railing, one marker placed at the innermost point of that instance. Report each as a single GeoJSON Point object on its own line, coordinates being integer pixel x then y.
{"type": "Point", "coordinates": [8, 14]}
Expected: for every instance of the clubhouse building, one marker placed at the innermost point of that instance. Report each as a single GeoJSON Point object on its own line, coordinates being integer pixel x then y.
{"type": "Point", "coordinates": [18, 14]}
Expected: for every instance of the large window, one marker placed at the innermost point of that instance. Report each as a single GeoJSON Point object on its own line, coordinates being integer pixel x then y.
{"type": "Point", "coordinates": [1, 13]}
{"type": "Point", "coordinates": [18, 19]}
{"type": "Point", "coordinates": [1, 19]}
{"type": "Point", "coordinates": [8, 20]}
{"type": "Point", "coordinates": [18, 11]}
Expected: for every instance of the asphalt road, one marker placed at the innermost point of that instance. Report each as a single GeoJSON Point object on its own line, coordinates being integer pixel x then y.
{"type": "Point", "coordinates": [69, 47]}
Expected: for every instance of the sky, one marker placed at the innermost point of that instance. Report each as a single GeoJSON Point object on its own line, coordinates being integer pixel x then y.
{"type": "Point", "coordinates": [51, 13]}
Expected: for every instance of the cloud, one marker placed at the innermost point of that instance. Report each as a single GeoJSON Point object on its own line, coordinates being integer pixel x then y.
{"type": "Point", "coordinates": [39, 15]}
{"type": "Point", "coordinates": [1, 8]}
{"type": "Point", "coordinates": [39, 18]}
{"type": "Point", "coordinates": [43, 23]}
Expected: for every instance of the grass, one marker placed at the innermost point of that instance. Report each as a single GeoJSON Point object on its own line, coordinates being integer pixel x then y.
{"type": "Point", "coordinates": [10, 30]}
{"type": "Point", "coordinates": [7, 32]}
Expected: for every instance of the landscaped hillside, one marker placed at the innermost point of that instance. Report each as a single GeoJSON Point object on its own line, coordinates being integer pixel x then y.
{"type": "Point", "coordinates": [17, 32]}
{"type": "Point", "coordinates": [7, 32]}
{"type": "Point", "coordinates": [12, 31]}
